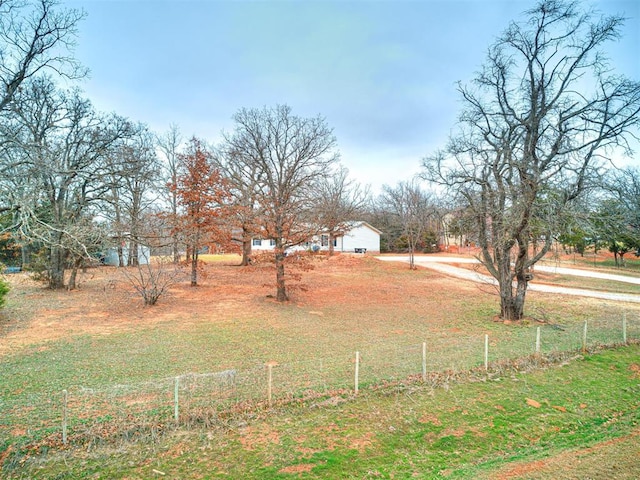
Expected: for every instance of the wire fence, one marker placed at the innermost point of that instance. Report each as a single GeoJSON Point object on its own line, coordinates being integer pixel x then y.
{"type": "Point", "coordinates": [81, 415]}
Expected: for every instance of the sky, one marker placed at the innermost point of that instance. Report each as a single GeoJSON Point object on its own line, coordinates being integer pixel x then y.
{"type": "Point", "coordinates": [383, 74]}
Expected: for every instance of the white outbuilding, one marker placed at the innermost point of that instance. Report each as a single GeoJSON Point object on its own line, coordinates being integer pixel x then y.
{"type": "Point", "coordinates": [111, 255]}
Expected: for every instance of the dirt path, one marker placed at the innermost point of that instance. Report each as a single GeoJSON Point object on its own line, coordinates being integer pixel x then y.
{"type": "Point", "coordinates": [440, 264]}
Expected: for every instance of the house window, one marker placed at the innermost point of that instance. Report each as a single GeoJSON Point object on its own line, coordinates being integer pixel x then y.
{"type": "Point", "coordinates": [272, 242]}
{"type": "Point", "coordinates": [335, 241]}
{"type": "Point", "coordinates": [324, 240]}
{"type": "Point", "coordinates": [257, 242]}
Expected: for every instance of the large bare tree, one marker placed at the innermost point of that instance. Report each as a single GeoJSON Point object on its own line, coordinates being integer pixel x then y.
{"type": "Point", "coordinates": [169, 145]}
{"type": "Point", "coordinates": [538, 122]}
{"type": "Point", "coordinates": [133, 175]}
{"type": "Point", "coordinates": [59, 145]}
{"type": "Point", "coordinates": [244, 181]}
{"type": "Point", "coordinates": [290, 155]}
{"type": "Point", "coordinates": [36, 36]}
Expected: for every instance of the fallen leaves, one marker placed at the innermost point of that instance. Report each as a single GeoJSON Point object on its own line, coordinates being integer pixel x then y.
{"type": "Point", "coordinates": [533, 403]}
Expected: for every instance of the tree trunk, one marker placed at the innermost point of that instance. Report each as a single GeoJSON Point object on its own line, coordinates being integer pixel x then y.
{"type": "Point", "coordinates": [25, 255]}
{"type": "Point", "coordinates": [246, 252]}
{"type": "Point", "coordinates": [194, 267]}
{"type": "Point", "coordinates": [331, 240]}
{"type": "Point", "coordinates": [120, 254]}
{"type": "Point", "coordinates": [281, 294]}
{"type": "Point", "coordinates": [174, 215]}
{"type": "Point", "coordinates": [175, 251]}
{"type": "Point", "coordinates": [56, 268]}
{"type": "Point", "coordinates": [74, 274]}
{"type": "Point", "coordinates": [412, 251]}
{"type": "Point", "coordinates": [133, 254]}
{"type": "Point", "coordinates": [512, 306]}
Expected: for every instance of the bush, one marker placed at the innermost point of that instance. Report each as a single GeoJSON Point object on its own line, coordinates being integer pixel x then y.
{"type": "Point", "coordinates": [153, 281]}
{"type": "Point", "coordinates": [38, 266]}
{"type": "Point", "coordinates": [4, 289]}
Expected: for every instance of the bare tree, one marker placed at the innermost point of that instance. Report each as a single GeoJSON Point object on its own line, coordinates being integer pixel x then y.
{"type": "Point", "coordinates": [339, 202]}
{"type": "Point", "coordinates": [624, 184]}
{"type": "Point", "coordinates": [244, 180]}
{"type": "Point", "coordinates": [59, 144]}
{"type": "Point", "coordinates": [134, 171]}
{"type": "Point", "coordinates": [35, 36]}
{"type": "Point", "coordinates": [413, 210]}
{"type": "Point", "coordinates": [290, 155]}
{"type": "Point", "coordinates": [169, 146]}
{"type": "Point", "coordinates": [538, 120]}
{"type": "Point", "coordinates": [619, 222]}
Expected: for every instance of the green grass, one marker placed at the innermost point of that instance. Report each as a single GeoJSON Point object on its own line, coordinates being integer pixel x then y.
{"type": "Point", "coordinates": [121, 384]}
{"type": "Point", "coordinates": [465, 431]}
{"type": "Point", "coordinates": [631, 266]}
{"type": "Point", "coordinates": [587, 283]}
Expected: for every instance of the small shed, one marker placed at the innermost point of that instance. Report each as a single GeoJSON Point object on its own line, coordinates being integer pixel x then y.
{"type": "Point", "coordinates": [360, 237]}
{"type": "Point", "coordinates": [111, 255]}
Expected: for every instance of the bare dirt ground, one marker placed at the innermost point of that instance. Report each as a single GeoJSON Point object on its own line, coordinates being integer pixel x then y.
{"type": "Point", "coordinates": [106, 303]}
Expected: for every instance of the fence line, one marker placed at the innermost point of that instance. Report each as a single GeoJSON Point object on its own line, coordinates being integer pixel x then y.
{"type": "Point", "coordinates": [207, 397]}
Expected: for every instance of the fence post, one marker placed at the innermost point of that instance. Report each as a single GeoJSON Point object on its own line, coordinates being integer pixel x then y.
{"type": "Point", "coordinates": [538, 341]}
{"type": "Point", "coordinates": [486, 352]}
{"type": "Point", "coordinates": [270, 383]}
{"type": "Point", "coordinates": [357, 373]}
{"type": "Point", "coordinates": [64, 416]}
{"type": "Point", "coordinates": [424, 361]}
{"type": "Point", "coordinates": [584, 338]}
{"type": "Point", "coordinates": [270, 366]}
{"type": "Point", "coordinates": [176, 408]}
{"type": "Point", "coordinates": [624, 328]}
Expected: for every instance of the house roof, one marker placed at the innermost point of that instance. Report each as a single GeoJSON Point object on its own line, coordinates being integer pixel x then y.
{"type": "Point", "coordinates": [365, 224]}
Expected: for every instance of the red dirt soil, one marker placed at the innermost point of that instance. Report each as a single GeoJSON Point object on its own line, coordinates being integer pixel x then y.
{"type": "Point", "coordinates": [106, 303]}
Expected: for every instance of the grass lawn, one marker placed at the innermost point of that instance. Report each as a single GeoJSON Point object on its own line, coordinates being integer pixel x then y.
{"type": "Point", "coordinates": [603, 261]}
{"type": "Point", "coordinates": [101, 338]}
{"type": "Point", "coordinates": [579, 420]}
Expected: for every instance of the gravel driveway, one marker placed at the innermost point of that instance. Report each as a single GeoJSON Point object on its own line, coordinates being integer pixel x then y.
{"type": "Point", "coordinates": [440, 264]}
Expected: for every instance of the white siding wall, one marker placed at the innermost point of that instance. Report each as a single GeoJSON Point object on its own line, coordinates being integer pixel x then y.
{"type": "Point", "coordinates": [264, 245]}
{"type": "Point", "coordinates": [111, 256]}
{"type": "Point", "coordinates": [361, 236]}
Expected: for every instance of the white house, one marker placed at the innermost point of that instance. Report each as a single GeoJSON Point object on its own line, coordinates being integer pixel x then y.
{"type": "Point", "coordinates": [359, 237]}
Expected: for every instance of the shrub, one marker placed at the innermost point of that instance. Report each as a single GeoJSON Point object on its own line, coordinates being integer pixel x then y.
{"type": "Point", "coordinates": [38, 266]}
{"type": "Point", "coordinates": [4, 289]}
{"type": "Point", "coordinates": [153, 281]}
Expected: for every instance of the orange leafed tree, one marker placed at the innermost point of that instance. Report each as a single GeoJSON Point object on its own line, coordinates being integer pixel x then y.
{"type": "Point", "coordinates": [203, 198]}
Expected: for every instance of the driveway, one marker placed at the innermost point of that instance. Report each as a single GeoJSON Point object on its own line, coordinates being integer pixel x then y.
{"type": "Point", "coordinates": [440, 264]}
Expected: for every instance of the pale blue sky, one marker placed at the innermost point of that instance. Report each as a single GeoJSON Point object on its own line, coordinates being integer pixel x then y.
{"type": "Point", "coordinates": [382, 73]}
